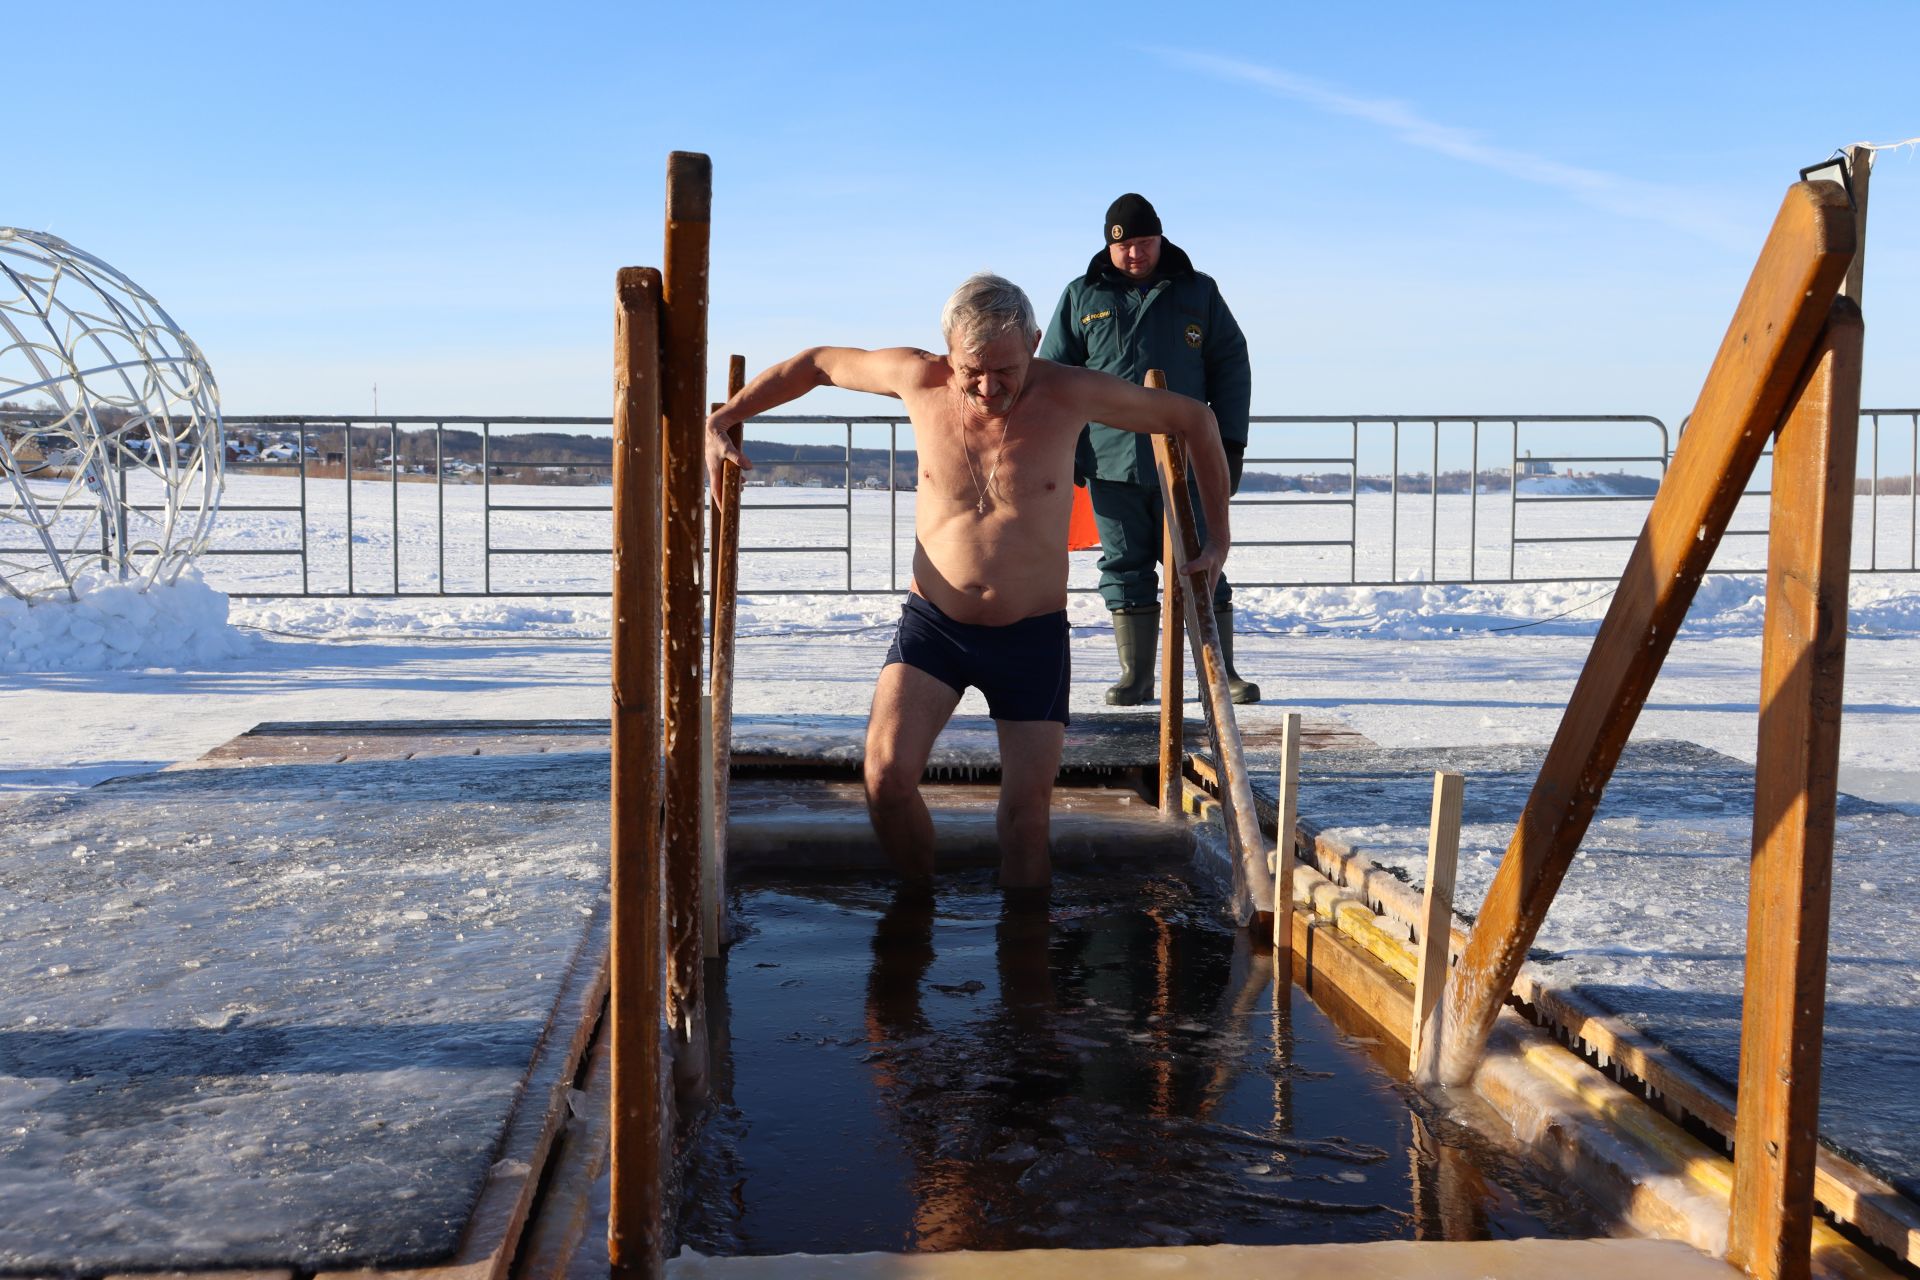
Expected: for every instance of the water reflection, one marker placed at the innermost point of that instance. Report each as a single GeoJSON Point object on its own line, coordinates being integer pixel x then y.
{"type": "Point", "coordinates": [1114, 1068]}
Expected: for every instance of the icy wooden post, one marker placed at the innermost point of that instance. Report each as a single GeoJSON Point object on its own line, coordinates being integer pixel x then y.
{"type": "Point", "coordinates": [1803, 656]}
{"type": "Point", "coordinates": [725, 583]}
{"type": "Point", "coordinates": [1753, 375]}
{"type": "Point", "coordinates": [709, 838]}
{"type": "Point", "coordinates": [1285, 828]}
{"type": "Point", "coordinates": [1173, 671]}
{"type": "Point", "coordinates": [1254, 899]}
{"type": "Point", "coordinates": [1436, 925]}
{"type": "Point", "coordinates": [683, 403]}
{"type": "Point", "coordinates": [636, 1219]}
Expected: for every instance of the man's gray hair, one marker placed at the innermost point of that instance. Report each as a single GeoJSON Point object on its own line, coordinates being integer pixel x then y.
{"type": "Point", "coordinates": [984, 307]}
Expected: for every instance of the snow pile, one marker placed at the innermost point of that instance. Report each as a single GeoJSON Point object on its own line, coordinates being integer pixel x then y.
{"type": "Point", "coordinates": [115, 626]}
{"type": "Point", "coordinates": [361, 617]}
{"type": "Point", "coordinates": [1725, 605]}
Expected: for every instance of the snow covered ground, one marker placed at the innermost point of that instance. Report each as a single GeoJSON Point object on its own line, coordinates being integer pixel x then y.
{"type": "Point", "coordinates": [1408, 665]}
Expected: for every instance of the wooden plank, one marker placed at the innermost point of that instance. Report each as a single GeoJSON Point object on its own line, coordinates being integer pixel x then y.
{"type": "Point", "coordinates": [820, 824]}
{"type": "Point", "coordinates": [1374, 1260]}
{"type": "Point", "coordinates": [1436, 923]}
{"type": "Point", "coordinates": [1758, 364]}
{"type": "Point", "coordinates": [726, 605]}
{"type": "Point", "coordinates": [562, 1234]}
{"type": "Point", "coordinates": [1287, 819]}
{"type": "Point", "coordinates": [710, 904]}
{"type": "Point", "coordinates": [493, 1232]}
{"type": "Point", "coordinates": [1254, 900]}
{"type": "Point", "coordinates": [636, 1230]}
{"type": "Point", "coordinates": [1796, 782]}
{"type": "Point", "coordinates": [683, 412]}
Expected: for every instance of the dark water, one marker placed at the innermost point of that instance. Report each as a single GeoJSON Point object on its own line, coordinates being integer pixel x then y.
{"type": "Point", "coordinates": [1110, 1071]}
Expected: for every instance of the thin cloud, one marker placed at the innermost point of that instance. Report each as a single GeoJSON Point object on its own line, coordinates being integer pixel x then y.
{"type": "Point", "coordinates": [1616, 193]}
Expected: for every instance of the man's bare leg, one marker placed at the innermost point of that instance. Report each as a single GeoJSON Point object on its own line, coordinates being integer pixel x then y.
{"type": "Point", "coordinates": [1029, 759]}
{"type": "Point", "coordinates": [910, 708]}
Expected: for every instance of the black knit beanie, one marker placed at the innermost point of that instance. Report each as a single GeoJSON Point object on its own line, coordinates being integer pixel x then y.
{"type": "Point", "coordinates": [1130, 216]}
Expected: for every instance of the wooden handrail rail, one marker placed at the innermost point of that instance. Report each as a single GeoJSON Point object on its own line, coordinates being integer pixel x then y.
{"type": "Point", "coordinates": [1255, 901]}
{"type": "Point", "coordinates": [724, 576]}
{"type": "Point", "coordinates": [1759, 363]}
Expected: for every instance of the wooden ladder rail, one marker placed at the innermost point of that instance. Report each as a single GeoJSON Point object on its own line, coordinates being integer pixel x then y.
{"type": "Point", "coordinates": [1254, 900]}
{"type": "Point", "coordinates": [1786, 328]}
{"type": "Point", "coordinates": [723, 577]}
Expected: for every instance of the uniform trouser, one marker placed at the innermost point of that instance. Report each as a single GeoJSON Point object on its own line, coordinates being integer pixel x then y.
{"type": "Point", "coordinates": [1131, 527]}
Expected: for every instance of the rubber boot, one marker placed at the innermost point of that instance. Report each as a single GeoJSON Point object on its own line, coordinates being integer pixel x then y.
{"type": "Point", "coordinates": [1239, 692]}
{"type": "Point", "coordinates": [1136, 633]}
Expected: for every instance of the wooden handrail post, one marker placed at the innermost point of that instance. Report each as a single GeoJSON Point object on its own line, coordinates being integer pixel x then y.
{"type": "Point", "coordinates": [726, 599]}
{"type": "Point", "coordinates": [1803, 658]}
{"type": "Point", "coordinates": [1286, 827]}
{"type": "Point", "coordinates": [1753, 375]}
{"type": "Point", "coordinates": [1436, 925]}
{"type": "Point", "coordinates": [1173, 671]}
{"type": "Point", "coordinates": [1254, 899]}
{"type": "Point", "coordinates": [636, 1220]}
{"type": "Point", "coordinates": [683, 424]}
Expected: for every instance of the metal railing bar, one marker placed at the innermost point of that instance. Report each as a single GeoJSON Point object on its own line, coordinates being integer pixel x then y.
{"type": "Point", "coordinates": [1564, 498]}
{"type": "Point", "coordinates": [1294, 502]}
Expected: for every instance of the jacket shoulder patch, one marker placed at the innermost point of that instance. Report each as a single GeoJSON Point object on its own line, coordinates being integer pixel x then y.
{"type": "Point", "coordinates": [1091, 316]}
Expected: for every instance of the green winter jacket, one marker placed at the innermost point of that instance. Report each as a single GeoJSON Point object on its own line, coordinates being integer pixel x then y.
{"type": "Point", "coordinates": [1181, 327]}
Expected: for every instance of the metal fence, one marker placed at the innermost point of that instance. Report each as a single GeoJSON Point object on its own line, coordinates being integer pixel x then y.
{"type": "Point", "coordinates": [459, 507]}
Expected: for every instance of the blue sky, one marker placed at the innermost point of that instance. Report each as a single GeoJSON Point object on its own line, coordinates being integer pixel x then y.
{"type": "Point", "coordinates": [1411, 208]}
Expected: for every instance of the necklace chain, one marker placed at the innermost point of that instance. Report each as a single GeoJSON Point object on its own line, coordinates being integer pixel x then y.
{"type": "Point", "coordinates": [981, 505]}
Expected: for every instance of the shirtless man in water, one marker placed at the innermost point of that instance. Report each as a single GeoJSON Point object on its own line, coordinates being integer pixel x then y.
{"type": "Point", "coordinates": [994, 429]}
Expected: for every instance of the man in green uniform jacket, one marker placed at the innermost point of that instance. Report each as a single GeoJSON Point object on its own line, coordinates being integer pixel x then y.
{"type": "Point", "coordinates": [1142, 306]}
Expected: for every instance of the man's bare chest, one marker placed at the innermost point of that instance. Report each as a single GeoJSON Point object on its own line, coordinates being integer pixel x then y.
{"type": "Point", "coordinates": [1004, 461]}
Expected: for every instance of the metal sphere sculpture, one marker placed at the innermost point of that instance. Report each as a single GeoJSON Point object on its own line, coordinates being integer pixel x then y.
{"type": "Point", "coordinates": [111, 444]}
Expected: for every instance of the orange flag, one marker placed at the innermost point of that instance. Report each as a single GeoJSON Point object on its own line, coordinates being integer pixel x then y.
{"type": "Point", "coordinates": [1082, 533]}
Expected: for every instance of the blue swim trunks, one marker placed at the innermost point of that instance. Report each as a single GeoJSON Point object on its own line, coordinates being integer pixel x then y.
{"type": "Point", "coordinates": [1023, 668]}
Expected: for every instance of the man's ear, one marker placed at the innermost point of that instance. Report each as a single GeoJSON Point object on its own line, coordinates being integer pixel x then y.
{"type": "Point", "coordinates": [1036, 342]}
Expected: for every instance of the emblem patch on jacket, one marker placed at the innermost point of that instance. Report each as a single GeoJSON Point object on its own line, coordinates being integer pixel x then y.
{"type": "Point", "coordinates": [1091, 316]}
{"type": "Point", "coordinates": [1193, 336]}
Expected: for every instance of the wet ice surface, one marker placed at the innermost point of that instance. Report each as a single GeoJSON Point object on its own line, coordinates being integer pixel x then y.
{"type": "Point", "coordinates": [900, 1080]}
{"type": "Point", "coordinates": [1651, 919]}
{"type": "Point", "coordinates": [279, 1015]}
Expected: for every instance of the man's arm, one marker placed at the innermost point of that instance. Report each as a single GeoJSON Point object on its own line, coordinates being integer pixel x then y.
{"type": "Point", "coordinates": [886, 372]}
{"type": "Point", "coordinates": [1119, 403]}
